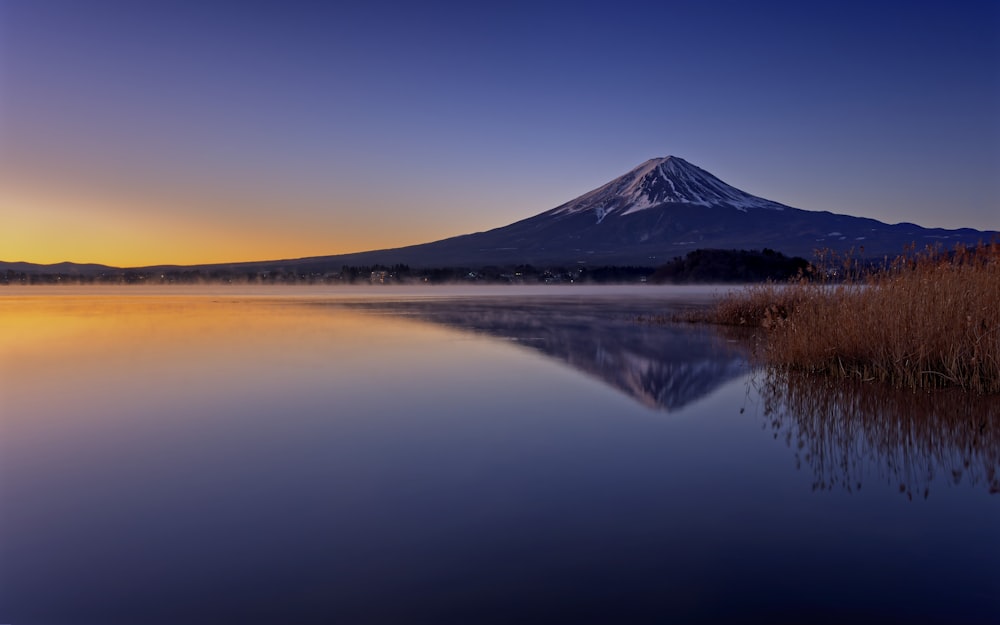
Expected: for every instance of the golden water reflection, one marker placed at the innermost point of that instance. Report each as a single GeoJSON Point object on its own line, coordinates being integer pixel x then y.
{"type": "Point", "coordinates": [848, 434]}
{"type": "Point", "coordinates": [65, 357]}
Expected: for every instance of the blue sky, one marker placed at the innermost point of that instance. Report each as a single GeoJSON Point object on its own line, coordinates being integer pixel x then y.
{"type": "Point", "coordinates": [149, 132]}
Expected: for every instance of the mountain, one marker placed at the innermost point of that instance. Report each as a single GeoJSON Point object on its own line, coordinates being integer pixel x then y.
{"type": "Point", "coordinates": [662, 209]}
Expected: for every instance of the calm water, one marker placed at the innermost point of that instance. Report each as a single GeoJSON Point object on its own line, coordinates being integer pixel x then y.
{"type": "Point", "coordinates": [459, 456]}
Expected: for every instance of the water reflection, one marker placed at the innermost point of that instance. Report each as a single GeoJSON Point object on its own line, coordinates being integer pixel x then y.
{"type": "Point", "coordinates": [849, 433]}
{"type": "Point", "coordinates": [224, 459]}
{"type": "Point", "coordinates": [663, 367]}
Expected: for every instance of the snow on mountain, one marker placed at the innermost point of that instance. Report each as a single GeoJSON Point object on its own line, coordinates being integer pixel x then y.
{"type": "Point", "coordinates": [658, 181]}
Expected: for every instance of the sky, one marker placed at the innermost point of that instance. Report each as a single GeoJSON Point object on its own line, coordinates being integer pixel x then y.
{"type": "Point", "coordinates": [155, 132]}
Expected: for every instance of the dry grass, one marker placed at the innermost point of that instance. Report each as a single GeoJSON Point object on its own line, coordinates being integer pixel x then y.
{"type": "Point", "coordinates": [928, 320]}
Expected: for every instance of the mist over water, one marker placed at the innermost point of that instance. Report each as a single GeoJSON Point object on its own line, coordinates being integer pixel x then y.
{"type": "Point", "coordinates": [455, 455]}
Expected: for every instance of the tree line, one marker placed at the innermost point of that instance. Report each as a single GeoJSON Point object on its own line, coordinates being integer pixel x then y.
{"type": "Point", "coordinates": [699, 266]}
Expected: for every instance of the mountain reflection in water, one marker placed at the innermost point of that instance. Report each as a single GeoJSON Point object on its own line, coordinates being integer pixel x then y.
{"type": "Point", "coordinates": [848, 432]}
{"type": "Point", "coordinates": [663, 367]}
{"type": "Point", "coordinates": [845, 433]}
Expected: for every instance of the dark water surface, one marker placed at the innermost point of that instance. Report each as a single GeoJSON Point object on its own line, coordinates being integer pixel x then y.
{"type": "Point", "coordinates": [456, 456]}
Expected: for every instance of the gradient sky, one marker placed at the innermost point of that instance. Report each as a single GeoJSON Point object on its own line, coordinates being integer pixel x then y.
{"type": "Point", "coordinates": [137, 133]}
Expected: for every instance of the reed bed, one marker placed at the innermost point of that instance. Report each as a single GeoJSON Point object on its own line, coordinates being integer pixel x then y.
{"type": "Point", "coordinates": [925, 320]}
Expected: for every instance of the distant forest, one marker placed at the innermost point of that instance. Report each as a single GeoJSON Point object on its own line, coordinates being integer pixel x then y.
{"type": "Point", "coordinates": [699, 266]}
{"type": "Point", "coordinates": [702, 266]}
{"type": "Point", "coordinates": [363, 274]}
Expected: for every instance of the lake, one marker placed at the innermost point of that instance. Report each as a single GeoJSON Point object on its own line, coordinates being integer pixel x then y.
{"type": "Point", "coordinates": [461, 455]}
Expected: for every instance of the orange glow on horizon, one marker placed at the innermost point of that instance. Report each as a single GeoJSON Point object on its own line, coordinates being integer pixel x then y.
{"type": "Point", "coordinates": [47, 228]}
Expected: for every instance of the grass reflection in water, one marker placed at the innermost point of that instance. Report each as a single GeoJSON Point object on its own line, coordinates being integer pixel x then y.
{"type": "Point", "coordinates": [848, 433]}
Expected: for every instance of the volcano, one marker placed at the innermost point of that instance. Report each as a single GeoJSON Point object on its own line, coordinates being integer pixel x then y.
{"type": "Point", "coordinates": [661, 209]}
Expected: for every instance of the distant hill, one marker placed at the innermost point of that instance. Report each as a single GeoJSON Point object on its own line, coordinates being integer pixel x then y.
{"type": "Point", "coordinates": [66, 268]}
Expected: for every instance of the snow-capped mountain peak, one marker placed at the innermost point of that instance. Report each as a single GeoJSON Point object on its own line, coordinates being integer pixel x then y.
{"type": "Point", "coordinates": [668, 180]}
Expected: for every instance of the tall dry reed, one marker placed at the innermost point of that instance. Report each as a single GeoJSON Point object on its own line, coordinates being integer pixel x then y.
{"type": "Point", "coordinates": [925, 320]}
